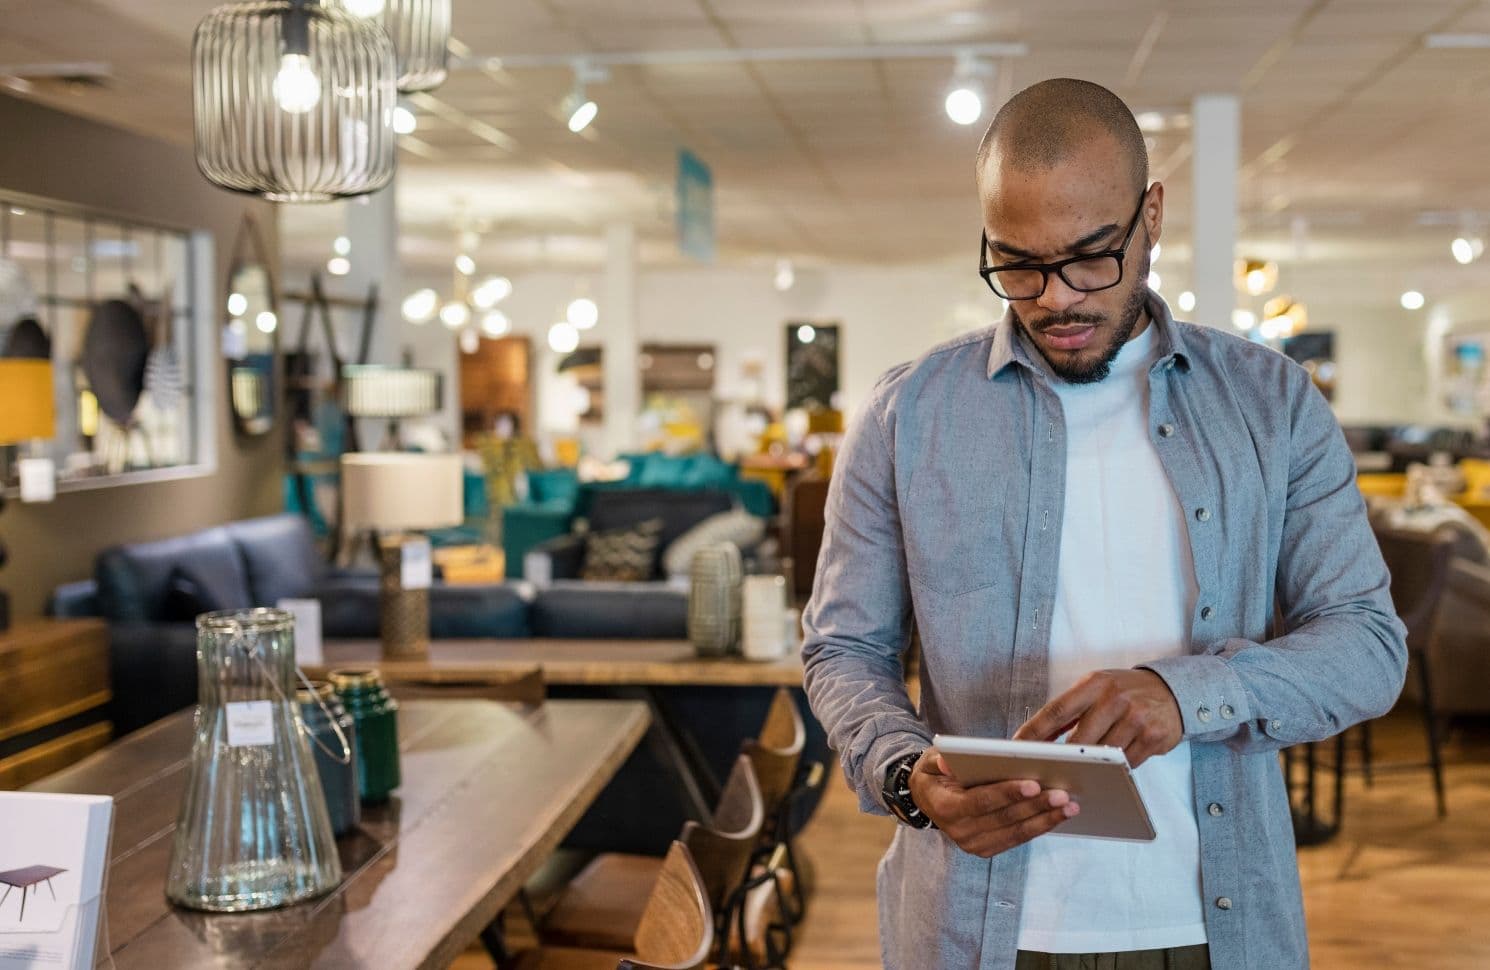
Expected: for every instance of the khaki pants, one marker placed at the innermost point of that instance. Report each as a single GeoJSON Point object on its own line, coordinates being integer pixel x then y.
{"type": "Point", "coordinates": [1178, 958]}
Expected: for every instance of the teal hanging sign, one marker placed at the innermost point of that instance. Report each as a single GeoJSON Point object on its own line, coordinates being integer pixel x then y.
{"type": "Point", "coordinates": [695, 207]}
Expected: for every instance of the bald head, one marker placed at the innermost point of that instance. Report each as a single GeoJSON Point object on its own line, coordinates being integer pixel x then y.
{"type": "Point", "coordinates": [1047, 124]}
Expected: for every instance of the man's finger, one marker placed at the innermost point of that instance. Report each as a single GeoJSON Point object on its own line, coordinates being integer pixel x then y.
{"type": "Point", "coordinates": [1124, 734]}
{"type": "Point", "coordinates": [996, 796]}
{"type": "Point", "coordinates": [1100, 718]}
{"type": "Point", "coordinates": [1049, 721]}
{"type": "Point", "coordinates": [1007, 837]}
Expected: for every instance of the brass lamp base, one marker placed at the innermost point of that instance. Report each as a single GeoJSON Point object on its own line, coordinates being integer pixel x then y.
{"type": "Point", "coordinates": [403, 614]}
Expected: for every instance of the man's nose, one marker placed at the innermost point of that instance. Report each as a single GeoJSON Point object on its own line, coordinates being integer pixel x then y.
{"type": "Point", "coordinates": [1058, 296]}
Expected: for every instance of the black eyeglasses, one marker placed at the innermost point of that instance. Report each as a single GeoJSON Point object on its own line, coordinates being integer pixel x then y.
{"type": "Point", "coordinates": [1086, 274]}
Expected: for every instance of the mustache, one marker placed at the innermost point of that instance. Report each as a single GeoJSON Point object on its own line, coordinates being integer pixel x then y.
{"type": "Point", "coordinates": [1067, 319]}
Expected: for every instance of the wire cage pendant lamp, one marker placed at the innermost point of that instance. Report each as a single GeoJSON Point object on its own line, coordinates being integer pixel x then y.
{"type": "Point", "coordinates": [293, 100]}
{"type": "Point", "coordinates": [420, 30]}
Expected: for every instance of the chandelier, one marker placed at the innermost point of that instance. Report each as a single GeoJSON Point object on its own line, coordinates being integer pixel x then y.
{"type": "Point", "coordinates": [420, 30]}
{"type": "Point", "coordinates": [467, 303]}
{"type": "Point", "coordinates": [293, 100]}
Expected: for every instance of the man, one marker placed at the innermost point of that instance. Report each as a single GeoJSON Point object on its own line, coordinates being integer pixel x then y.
{"type": "Point", "coordinates": [1090, 511]}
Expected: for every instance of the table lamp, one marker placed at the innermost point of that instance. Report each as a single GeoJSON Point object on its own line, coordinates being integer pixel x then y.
{"type": "Point", "coordinates": [395, 493]}
{"type": "Point", "coordinates": [27, 411]}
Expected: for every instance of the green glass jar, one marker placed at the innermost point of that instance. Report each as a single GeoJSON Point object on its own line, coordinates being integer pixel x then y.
{"type": "Point", "coordinates": [376, 713]}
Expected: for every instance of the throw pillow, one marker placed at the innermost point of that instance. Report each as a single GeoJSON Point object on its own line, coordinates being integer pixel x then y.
{"type": "Point", "coordinates": [628, 554]}
{"type": "Point", "coordinates": [185, 600]}
{"type": "Point", "coordinates": [735, 526]}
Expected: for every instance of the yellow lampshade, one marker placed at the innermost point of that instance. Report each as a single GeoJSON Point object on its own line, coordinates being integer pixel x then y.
{"type": "Point", "coordinates": [27, 410]}
{"type": "Point", "coordinates": [395, 490]}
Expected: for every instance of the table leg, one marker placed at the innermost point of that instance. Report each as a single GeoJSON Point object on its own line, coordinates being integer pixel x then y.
{"type": "Point", "coordinates": [53, 891]}
{"type": "Point", "coordinates": [665, 737]}
{"type": "Point", "coordinates": [23, 903]}
{"type": "Point", "coordinates": [8, 888]}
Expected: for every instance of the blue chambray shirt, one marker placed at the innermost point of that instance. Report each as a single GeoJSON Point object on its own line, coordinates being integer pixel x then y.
{"type": "Point", "coordinates": [946, 505]}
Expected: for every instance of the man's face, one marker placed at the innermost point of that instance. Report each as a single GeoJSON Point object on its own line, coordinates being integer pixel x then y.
{"type": "Point", "coordinates": [1083, 205]}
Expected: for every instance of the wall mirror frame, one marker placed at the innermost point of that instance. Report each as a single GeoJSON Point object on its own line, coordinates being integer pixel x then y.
{"type": "Point", "coordinates": [251, 310]}
{"type": "Point", "coordinates": [123, 306]}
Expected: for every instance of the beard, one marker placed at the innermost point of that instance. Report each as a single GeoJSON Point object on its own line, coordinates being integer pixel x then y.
{"type": "Point", "coordinates": [1073, 367]}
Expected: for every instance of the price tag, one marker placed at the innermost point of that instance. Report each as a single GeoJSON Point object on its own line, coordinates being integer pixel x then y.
{"type": "Point", "coordinates": [307, 614]}
{"type": "Point", "coordinates": [250, 724]}
{"type": "Point", "coordinates": [418, 570]}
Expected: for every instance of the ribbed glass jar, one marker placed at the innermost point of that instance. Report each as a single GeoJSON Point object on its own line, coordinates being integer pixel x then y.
{"type": "Point", "coordinates": [253, 832]}
{"type": "Point", "coordinates": [293, 100]}
{"type": "Point", "coordinates": [376, 713]}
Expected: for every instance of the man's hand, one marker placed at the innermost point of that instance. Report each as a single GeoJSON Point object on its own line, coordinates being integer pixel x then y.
{"type": "Point", "coordinates": [1128, 709]}
{"type": "Point", "coordinates": [986, 819]}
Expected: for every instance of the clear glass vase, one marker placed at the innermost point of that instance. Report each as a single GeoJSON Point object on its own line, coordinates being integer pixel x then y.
{"type": "Point", "coordinates": [253, 832]}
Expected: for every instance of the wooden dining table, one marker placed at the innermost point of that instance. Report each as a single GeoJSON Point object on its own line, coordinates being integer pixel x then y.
{"type": "Point", "coordinates": [489, 790]}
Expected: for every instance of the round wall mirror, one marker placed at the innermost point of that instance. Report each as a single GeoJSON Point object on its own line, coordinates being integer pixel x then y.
{"type": "Point", "coordinates": [250, 334]}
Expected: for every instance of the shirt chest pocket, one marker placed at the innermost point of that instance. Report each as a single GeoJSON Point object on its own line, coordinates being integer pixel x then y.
{"type": "Point", "coordinates": [955, 530]}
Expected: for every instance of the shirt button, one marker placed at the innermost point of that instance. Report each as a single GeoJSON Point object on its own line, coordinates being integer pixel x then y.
{"type": "Point", "coordinates": [1203, 713]}
{"type": "Point", "coordinates": [1226, 712]}
{"type": "Point", "coordinates": [1215, 809]}
{"type": "Point", "coordinates": [1224, 902]}
{"type": "Point", "coordinates": [1165, 430]}
{"type": "Point", "coordinates": [1203, 514]}
{"type": "Point", "coordinates": [1275, 726]}
{"type": "Point", "coordinates": [1206, 612]}
{"type": "Point", "coordinates": [1004, 904]}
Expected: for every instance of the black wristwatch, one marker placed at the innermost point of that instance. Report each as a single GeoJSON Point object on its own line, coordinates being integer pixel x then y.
{"type": "Point", "coordinates": [897, 792]}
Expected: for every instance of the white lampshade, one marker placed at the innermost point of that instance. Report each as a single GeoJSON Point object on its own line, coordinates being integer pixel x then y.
{"type": "Point", "coordinates": [396, 490]}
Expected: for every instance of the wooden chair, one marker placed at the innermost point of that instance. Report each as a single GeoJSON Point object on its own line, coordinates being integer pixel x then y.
{"type": "Point", "coordinates": [676, 931]}
{"type": "Point", "coordinates": [775, 753]}
{"type": "Point", "coordinates": [603, 905]}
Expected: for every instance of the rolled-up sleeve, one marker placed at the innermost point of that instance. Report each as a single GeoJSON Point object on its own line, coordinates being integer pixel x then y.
{"type": "Point", "coordinates": [857, 623]}
{"type": "Point", "coordinates": [1344, 657]}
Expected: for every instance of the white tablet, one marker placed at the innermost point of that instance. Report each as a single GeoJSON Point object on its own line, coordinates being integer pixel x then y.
{"type": "Point", "coordinates": [1097, 777]}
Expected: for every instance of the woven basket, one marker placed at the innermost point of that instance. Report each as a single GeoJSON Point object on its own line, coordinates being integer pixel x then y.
{"type": "Point", "coordinates": [715, 577]}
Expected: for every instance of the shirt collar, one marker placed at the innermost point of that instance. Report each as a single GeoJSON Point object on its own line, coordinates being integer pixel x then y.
{"type": "Point", "coordinates": [1011, 347]}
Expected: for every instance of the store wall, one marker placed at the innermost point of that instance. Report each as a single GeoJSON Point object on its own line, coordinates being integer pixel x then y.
{"type": "Point", "coordinates": [59, 156]}
{"type": "Point", "coordinates": [887, 315]}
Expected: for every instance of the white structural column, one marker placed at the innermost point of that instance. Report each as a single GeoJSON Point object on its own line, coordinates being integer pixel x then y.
{"type": "Point", "coordinates": [1217, 130]}
{"type": "Point", "coordinates": [621, 340]}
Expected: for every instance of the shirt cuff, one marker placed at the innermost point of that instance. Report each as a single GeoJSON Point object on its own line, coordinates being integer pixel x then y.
{"type": "Point", "coordinates": [883, 752]}
{"type": "Point", "coordinates": [1213, 703]}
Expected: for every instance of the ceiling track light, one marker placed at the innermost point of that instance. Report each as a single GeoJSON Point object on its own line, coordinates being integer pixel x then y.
{"type": "Point", "coordinates": [578, 108]}
{"type": "Point", "coordinates": [968, 91]}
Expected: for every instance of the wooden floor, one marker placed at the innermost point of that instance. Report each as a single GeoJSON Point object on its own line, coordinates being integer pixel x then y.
{"type": "Point", "coordinates": [1396, 889]}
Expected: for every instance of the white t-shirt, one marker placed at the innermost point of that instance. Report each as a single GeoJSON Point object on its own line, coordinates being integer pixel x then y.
{"type": "Point", "coordinates": [1124, 594]}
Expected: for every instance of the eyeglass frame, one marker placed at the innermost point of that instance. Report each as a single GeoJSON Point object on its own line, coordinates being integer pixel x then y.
{"type": "Point", "coordinates": [1120, 254]}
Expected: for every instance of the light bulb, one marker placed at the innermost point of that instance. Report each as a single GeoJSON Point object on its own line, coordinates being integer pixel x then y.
{"type": "Point", "coordinates": [563, 338]}
{"type": "Point", "coordinates": [493, 290]}
{"type": "Point", "coordinates": [806, 333]}
{"type": "Point", "coordinates": [296, 87]}
{"type": "Point", "coordinates": [1463, 250]}
{"type": "Point", "coordinates": [1271, 329]}
{"type": "Point", "coordinates": [964, 104]}
{"type": "Point", "coordinates": [266, 321]}
{"type": "Point", "coordinates": [364, 8]}
{"type": "Point", "coordinates": [786, 275]}
{"type": "Point", "coordinates": [338, 266]}
{"type": "Point", "coordinates": [342, 246]}
{"type": "Point", "coordinates": [419, 307]}
{"type": "Point", "coordinates": [1156, 282]}
{"type": "Point", "coordinates": [583, 313]}
{"type": "Point", "coordinates": [455, 314]}
{"type": "Point", "coordinates": [237, 304]}
{"type": "Point", "coordinates": [582, 115]}
{"type": "Point", "coordinates": [1243, 319]}
{"type": "Point", "coordinates": [404, 122]}
{"type": "Point", "coordinates": [1413, 300]}
{"type": "Point", "coordinates": [465, 264]}
{"type": "Point", "coordinates": [470, 341]}
{"type": "Point", "coordinates": [494, 323]}
{"type": "Point", "coordinates": [1154, 253]}
{"type": "Point", "coordinates": [1257, 281]}
{"type": "Point", "coordinates": [1187, 301]}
